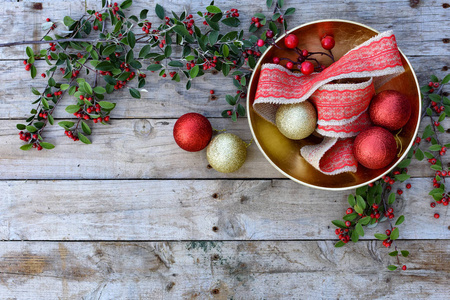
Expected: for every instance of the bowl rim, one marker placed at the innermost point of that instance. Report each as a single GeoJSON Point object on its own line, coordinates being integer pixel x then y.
{"type": "Point", "coordinates": [249, 118]}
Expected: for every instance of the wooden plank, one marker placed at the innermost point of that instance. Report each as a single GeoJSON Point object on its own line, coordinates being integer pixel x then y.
{"type": "Point", "coordinates": [139, 148]}
{"type": "Point", "coordinates": [425, 21]}
{"type": "Point", "coordinates": [194, 210]}
{"type": "Point", "coordinates": [220, 270]}
{"type": "Point", "coordinates": [164, 99]}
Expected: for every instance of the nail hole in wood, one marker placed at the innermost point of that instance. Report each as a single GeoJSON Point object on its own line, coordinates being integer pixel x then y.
{"type": "Point", "coordinates": [445, 5]}
{"type": "Point", "coordinates": [215, 257]}
{"type": "Point", "coordinates": [208, 167]}
{"type": "Point", "coordinates": [444, 68]}
{"type": "Point", "coordinates": [37, 6]}
{"type": "Point", "coordinates": [446, 41]}
{"type": "Point", "coordinates": [215, 228]}
{"type": "Point", "coordinates": [170, 286]}
{"type": "Point", "coordinates": [414, 3]}
{"type": "Point", "coordinates": [215, 291]}
{"type": "Point", "coordinates": [445, 94]}
{"type": "Point", "coordinates": [243, 199]}
{"type": "Point", "coordinates": [448, 130]}
{"type": "Point", "coordinates": [213, 97]}
{"type": "Point", "coordinates": [215, 195]}
{"type": "Point", "coordinates": [214, 72]}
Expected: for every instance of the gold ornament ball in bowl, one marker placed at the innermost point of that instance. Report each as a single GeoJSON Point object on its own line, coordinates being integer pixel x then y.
{"type": "Point", "coordinates": [296, 121]}
{"type": "Point", "coordinates": [284, 153]}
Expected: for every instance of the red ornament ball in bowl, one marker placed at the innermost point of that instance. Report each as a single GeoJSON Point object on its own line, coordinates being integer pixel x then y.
{"type": "Point", "coordinates": [192, 132]}
{"type": "Point", "coordinates": [375, 148]}
{"type": "Point", "coordinates": [390, 109]}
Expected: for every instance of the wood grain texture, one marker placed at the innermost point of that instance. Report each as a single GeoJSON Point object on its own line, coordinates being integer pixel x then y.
{"type": "Point", "coordinates": [137, 149]}
{"type": "Point", "coordinates": [164, 99]}
{"type": "Point", "coordinates": [195, 210]}
{"type": "Point", "coordinates": [220, 270]}
{"type": "Point", "coordinates": [425, 21]}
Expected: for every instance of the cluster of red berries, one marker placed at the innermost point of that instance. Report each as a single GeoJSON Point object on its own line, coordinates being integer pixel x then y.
{"type": "Point", "coordinates": [115, 8]}
{"type": "Point", "coordinates": [189, 24]}
{"type": "Point", "coordinates": [388, 242]}
{"type": "Point", "coordinates": [343, 234]}
{"type": "Point", "coordinates": [146, 27]}
{"type": "Point", "coordinates": [209, 63]}
{"type": "Point", "coordinates": [52, 47]}
{"type": "Point", "coordinates": [167, 20]}
{"type": "Point", "coordinates": [161, 45]}
{"type": "Point", "coordinates": [232, 13]}
{"type": "Point", "coordinates": [433, 85]}
{"type": "Point", "coordinates": [389, 213]}
{"type": "Point", "coordinates": [257, 22]}
{"type": "Point", "coordinates": [33, 138]}
{"type": "Point", "coordinates": [98, 16]}
{"type": "Point", "coordinates": [70, 134]}
{"type": "Point", "coordinates": [27, 65]}
{"type": "Point", "coordinates": [53, 25]}
{"type": "Point", "coordinates": [437, 108]}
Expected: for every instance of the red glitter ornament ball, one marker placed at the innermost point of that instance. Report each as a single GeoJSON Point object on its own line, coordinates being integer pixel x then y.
{"type": "Point", "coordinates": [192, 132]}
{"type": "Point", "coordinates": [390, 109]}
{"type": "Point", "coordinates": [375, 148]}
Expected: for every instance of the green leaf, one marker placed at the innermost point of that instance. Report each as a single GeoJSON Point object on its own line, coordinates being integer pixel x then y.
{"type": "Point", "coordinates": [241, 110]}
{"type": "Point", "coordinates": [400, 220]}
{"type": "Point", "coordinates": [160, 11]}
{"type": "Point", "coordinates": [68, 21]}
{"type": "Point", "coordinates": [380, 236]}
{"type": "Point", "coordinates": [355, 236]}
{"type": "Point", "coordinates": [88, 88]}
{"type": "Point", "coordinates": [50, 119]}
{"type": "Point", "coordinates": [21, 126]}
{"type": "Point", "coordinates": [419, 154]}
{"type": "Point", "coordinates": [106, 105]}
{"type": "Point", "coordinates": [51, 81]}
{"type": "Point", "coordinates": [144, 51]}
{"type": "Point", "coordinates": [86, 128]}
{"type": "Point", "coordinates": [436, 147]}
{"type": "Point", "coordinates": [109, 50]}
{"type": "Point", "coordinates": [434, 78]}
{"type": "Point", "coordinates": [105, 66]}
{"type": "Point", "coordinates": [35, 91]}
{"type": "Point", "coordinates": [31, 128]}
{"type": "Point", "coordinates": [225, 50]}
{"type": "Point", "coordinates": [231, 22]}
{"type": "Point", "coordinates": [230, 99]}
{"type": "Point", "coordinates": [194, 71]}
{"type": "Point", "coordinates": [404, 253]}
{"type": "Point", "coordinates": [269, 3]}
{"type": "Point", "coordinates": [83, 138]}
{"type": "Point", "coordinates": [339, 224]}
{"type": "Point", "coordinates": [359, 229]}
{"type": "Point", "coordinates": [251, 62]}
{"type": "Point", "coordinates": [143, 14]}
{"type": "Point", "coordinates": [29, 52]}
{"type": "Point", "coordinates": [280, 3]}
{"type": "Point", "coordinates": [125, 4]}
{"type": "Point", "coordinates": [33, 71]}
{"type": "Point", "coordinates": [26, 147]}
{"type": "Point", "coordinates": [358, 209]}
{"type": "Point", "coordinates": [99, 90]}
{"type": "Point", "coordinates": [214, 25]}
{"type": "Point", "coordinates": [275, 16]}
{"type": "Point", "coordinates": [350, 217]}
{"type": "Point", "coordinates": [71, 109]}
{"type": "Point", "coordinates": [360, 201]}
{"type": "Point", "coordinates": [351, 200]}
{"type": "Point", "coordinates": [131, 39]}
{"type": "Point", "coordinates": [213, 9]}
{"type": "Point", "coordinates": [441, 117]}
{"type": "Point", "coordinates": [154, 67]}
{"type": "Point", "coordinates": [436, 167]}
{"type": "Point", "coordinates": [339, 244]}
{"type": "Point", "coordinates": [446, 79]}
{"type": "Point", "coordinates": [365, 220]}
{"type": "Point", "coordinates": [66, 124]}
{"type": "Point", "coordinates": [393, 253]}
{"type": "Point", "coordinates": [167, 51]}
{"type": "Point", "coordinates": [176, 77]}
{"type": "Point", "coordinates": [64, 86]}
{"type": "Point", "coordinates": [394, 234]}
{"type": "Point", "coordinates": [392, 267]}
{"type": "Point", "coordinates": [289, 11]}
{"type": "Point", "coordinates": [47, 145]}
{"type": "Point", "coordinates": [405, 163]}
{"type": "Point", "coordinates": [45, 103]}
{"type": "Point", "coordinates": [391, 198]}
{"type": "Point", "coordinates": [402, 177]}
{"type": "Point", "coordinates": [176, 63]}
{"type": "Point", "coordinates": [130, 56]}
{"type": "Point", "coordinates": [135, 93]}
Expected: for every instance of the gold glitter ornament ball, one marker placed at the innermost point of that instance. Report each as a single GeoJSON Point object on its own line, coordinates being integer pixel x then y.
{"type": "Point", "coordinates": [226, 153]}
{"type": "Point", "coordinates": [296, 121]}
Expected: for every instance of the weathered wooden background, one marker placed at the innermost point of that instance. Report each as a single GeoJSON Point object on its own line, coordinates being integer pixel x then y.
{"type": "Point", "coordinates": [135, 217]}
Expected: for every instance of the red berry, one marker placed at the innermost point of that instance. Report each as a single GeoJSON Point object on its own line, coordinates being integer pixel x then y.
{"type": "Point", "coordinates": [436, 84]}
{"type": "Point", "coordinates": [349, 210]}
{"type": "Point", "coordinates": [291, 41]}
{"type": "Point", "coordinates": [260, 43]}
{"type": "Point", "coordinates": [436, 216]}
{"type": "Point", "coordinates": [28, 67]}
{"type": "Point", "coordinates": [399, 191]}
{"type": "Point", "coordinates": [305, 53]}
{"type": "Point", "coordinates": [229, 113]}
{"type": "Point", "coordinates": [43, 75]}
{"type": "Point", "coordinates": [348, 223]}
{"type": "Point", "coordinates": [211, 92]}
{"type": "Point", "coordinates": [95, 27]}
{"type": "Point", "coordinates": [307, 67]}
{"type": "Point", "coordinates": [106, 119]}
{"type": "Point", "coordinates": [408, 186]}
{"type": "Point", "coordinates": [289, 65]}
{"type": "Point", "coordinates": [25, 62]}
{"type": "Point", "coordinates": [328, 42]}
{"type": "Point", "coordinates": [276, 60]}
{"type": "Point", "coordinates": [48, 19]}
{"type": "Point", "coordinates": [337, 232]}
{"type": "Point", "coordinates": [404, 268]}
{"type": "Point", "coordinates": [269, 34]}
{"type": "Point", "coordinates": [375, 206]}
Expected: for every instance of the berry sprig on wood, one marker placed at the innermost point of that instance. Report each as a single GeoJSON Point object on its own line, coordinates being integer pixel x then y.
{"type": "Point", "coordinates": [97, 55]}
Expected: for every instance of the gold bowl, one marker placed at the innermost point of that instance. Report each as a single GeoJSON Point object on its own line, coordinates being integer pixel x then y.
{"type": "Point", "coordinates": [283, 153]}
